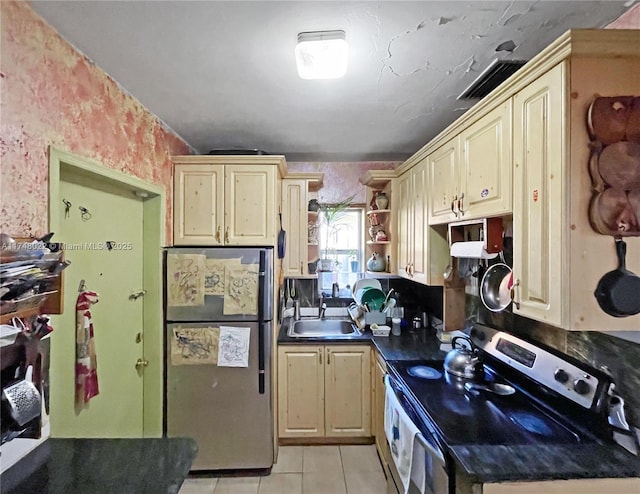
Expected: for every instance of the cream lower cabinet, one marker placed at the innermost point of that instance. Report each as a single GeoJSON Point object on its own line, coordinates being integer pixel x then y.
{"type": "Point", "coordinates": [582, 486]}
{"type": "Point", "coordinates": [324, 391]}
{"type": "Point", "coordinates": [225, 200]}
{"type": "Point", "coordinates": [378, 372]}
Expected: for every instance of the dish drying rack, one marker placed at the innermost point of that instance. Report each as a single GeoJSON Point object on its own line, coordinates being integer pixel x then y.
{"type": "Point", "coordinates": [362, 318]}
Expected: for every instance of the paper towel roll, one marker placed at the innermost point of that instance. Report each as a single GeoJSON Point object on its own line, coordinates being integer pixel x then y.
{"type": "Point", "coordinates": [473, 250]}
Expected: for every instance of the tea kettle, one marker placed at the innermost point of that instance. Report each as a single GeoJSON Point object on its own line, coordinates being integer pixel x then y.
{"type": "Point", "coordinates": [462, 361]}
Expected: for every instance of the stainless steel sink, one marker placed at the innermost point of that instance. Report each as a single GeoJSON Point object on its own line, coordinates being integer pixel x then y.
{"type": "Point", "coordinates": [318, 328]}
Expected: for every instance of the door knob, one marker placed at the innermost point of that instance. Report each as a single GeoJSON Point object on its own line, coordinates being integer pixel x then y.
{"type": "Point", "coordinates": [141, 363]}
{"type": "Point", "coordinates": [137, 295]}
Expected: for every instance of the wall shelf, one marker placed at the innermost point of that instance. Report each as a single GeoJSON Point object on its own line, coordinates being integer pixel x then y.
{"type": "Point", "coordinates": [45, 302]}
{"type": "Point", "coordinates": [378, 211]}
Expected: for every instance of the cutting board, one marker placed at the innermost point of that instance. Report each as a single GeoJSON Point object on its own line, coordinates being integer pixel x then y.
{"type": "Point", "coordinates": [453, 313]}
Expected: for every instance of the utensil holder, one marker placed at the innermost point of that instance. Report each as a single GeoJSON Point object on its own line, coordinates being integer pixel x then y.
{"type": "Point", "coordinates": [23, 400]}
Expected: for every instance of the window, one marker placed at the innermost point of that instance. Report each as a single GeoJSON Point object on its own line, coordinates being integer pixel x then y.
{"type": "Point", "coordinates": [342, 242]}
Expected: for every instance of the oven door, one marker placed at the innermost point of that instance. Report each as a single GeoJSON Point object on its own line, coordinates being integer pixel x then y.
{"type": "Point", "coordinates": [436, 476]}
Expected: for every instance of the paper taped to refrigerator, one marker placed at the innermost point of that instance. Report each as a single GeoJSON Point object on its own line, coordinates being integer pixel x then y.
{"type": "Point", "coordinates": [241, 290]}
{"type": "Point", "coordinates": [185, 279]}
{"type": "Point", "coordinates": [194, 346]}
{"type": "Point", "coordinates": [233, 349]}
{"type": "Point", "coordinates": [214, 277]}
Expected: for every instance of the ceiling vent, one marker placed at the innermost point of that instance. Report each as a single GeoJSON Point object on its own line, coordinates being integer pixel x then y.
{"type": "Point", "coordinates": [494, 75]}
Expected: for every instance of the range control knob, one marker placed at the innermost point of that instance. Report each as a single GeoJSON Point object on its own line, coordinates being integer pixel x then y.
{"type": "Point", "coordinates": [561, 375]}
{"type": "Point", "coordinates": [581, 386]}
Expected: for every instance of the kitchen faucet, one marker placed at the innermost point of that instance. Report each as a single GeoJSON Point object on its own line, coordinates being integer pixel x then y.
{"type": "Point", "coordinates": [323, 308]}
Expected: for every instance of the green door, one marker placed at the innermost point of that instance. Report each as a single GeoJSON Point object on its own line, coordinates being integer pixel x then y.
{"type": "Point", "coordinates": [114, 215]}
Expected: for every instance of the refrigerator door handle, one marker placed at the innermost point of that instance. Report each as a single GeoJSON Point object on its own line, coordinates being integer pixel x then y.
{"type": "Point", "coordinates": [261, 369]}
{"type": "Point", "coordinates": [261, 295]}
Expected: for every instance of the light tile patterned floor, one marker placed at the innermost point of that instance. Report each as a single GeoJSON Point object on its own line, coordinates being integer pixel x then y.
{"type": "Point", "coordinates": [305, 470]}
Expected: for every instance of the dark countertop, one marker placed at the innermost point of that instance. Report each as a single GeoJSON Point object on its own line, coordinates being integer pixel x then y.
{"type": "Point", "coordinates": [419, 345]}
{"type": "Point", "coordinates": [486, 464]}
{"type": "Point", "coordinates": [498, 463]}
{"type": "Point", "coordinates": [102, 466]}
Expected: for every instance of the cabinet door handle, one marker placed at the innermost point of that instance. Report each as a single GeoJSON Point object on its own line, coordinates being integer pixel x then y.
{"type": "Point", "coordinates": [460, 204]}
{"type": "Point", "coordinates": [218, 234]}
{"type": "Point", "coordinates": [454, 203]}
{"type": "Point", "coordinates": [328, 357]}
{"type": "Point", "coordinates": [512, 293]}
{"type": "Point", "coordinates": [320, 355]}
{"type": "Point", "coordinates": [226, 235]}
{"type": "Point", "coordinates": [301, 268]}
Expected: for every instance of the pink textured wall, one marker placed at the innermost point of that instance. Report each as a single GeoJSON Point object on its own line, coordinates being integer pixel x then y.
{"type": "Point", "coordinates": [341, 179]}
{"type": "Point", "coordinates": [53, 95]}
{"type": "Point", "coordinates": [629, 20]}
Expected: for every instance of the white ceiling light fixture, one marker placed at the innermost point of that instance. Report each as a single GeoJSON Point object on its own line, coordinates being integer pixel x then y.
{"type": "Point", "coordinates": [322, 54]}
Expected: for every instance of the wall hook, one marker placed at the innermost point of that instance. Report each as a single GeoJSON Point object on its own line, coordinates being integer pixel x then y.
{"type": "Point", "coordinates": [84, 213]}
{"type": "Point", "coordinates": [82, 286]}
{"type": "Point", "coordinates": [67, 207]}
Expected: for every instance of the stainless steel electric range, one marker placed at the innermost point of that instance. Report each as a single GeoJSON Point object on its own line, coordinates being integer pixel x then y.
{"type": "Point", "coordinates": [547, 400]}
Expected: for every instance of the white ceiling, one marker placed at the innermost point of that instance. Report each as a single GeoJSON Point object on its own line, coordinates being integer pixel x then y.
{"type": "Point", "coordinates": [223, 74]}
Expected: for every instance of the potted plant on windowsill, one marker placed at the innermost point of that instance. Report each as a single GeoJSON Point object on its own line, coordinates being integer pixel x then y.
{"type": "Point", "coordinates": [353, 261]}
{"type": "Point", "coordinates": [331, 214]}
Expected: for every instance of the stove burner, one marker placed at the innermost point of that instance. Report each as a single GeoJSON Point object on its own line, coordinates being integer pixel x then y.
{"type": "Point", "coordinates": [424, 372]}
{"type": "Point", "coordinates": [531, 423]}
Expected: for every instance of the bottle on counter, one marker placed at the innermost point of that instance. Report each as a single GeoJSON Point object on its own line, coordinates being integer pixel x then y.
{"type": "Point", "coordinates": [395, 326]}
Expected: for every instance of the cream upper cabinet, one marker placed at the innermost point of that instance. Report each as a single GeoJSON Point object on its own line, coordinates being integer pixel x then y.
{"type": "Point", "coordinates": [442, 167]}
{"type": "Point", "coordinates": [198, 204]}
{"type": "Point", "coordinates": [249, 205]}
{"type": "Point", "coordinates": [225, 200]}
{"type": "Point", "coordinates": [299, 223]}
{"type": "Point", "coordinates": [294, 222]}
{"type": "Point", "coordinates": [539, 119]}
{"type": "Point", "coordinates": [403, 232]}
{"type": "Point", "coordinates": [420, 245]}
{"type": "Point", "coordinates": [558, 257]}
{"type": "Point", "coordinates": [486, 164]}
{"type": "Point", "coordinates": [470, 175]}
{"type": "Point", "coordinates": [412, 217]}
{"type": "Point", "coordinates": [422, 251]}
{"type": "Point", "coordinates": [324, 391]}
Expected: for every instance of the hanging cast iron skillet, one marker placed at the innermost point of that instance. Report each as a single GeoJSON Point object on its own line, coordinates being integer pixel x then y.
{"type": "Point", "coordinates": [617, 291]}
{"type": "Point", "coordinates": [282, 240]}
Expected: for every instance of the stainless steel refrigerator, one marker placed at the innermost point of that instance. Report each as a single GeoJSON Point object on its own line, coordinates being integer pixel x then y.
{"type": "Point", "coordinates": [211, 296]}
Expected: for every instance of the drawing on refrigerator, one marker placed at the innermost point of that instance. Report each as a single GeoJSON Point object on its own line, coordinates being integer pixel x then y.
{"type": "Point", "coordinates": [218, 319]}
